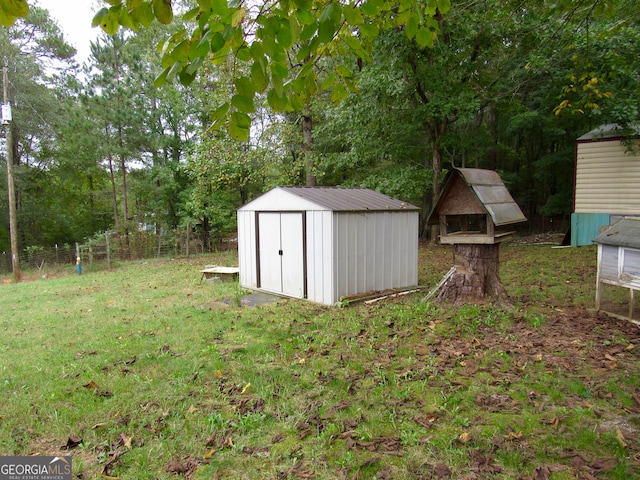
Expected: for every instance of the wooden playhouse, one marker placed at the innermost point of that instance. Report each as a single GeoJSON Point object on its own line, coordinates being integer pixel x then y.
{"type": "Point", "coordinates": [474, 207]}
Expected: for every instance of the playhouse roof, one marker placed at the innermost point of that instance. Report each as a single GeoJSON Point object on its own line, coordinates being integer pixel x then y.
{"type": "Point", "coordinates": [488, 192]}
{"type": "Point", "coordinates": [624, 233]}
{"type": "Point", "coordinates": [332, 198]}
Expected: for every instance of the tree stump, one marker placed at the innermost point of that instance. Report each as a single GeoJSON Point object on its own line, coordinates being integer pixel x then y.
{"type": "Point", "coordinates": [476, 277]}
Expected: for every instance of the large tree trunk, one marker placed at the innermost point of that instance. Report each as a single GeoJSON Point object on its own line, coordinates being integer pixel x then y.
{"type": "Point", "coordinates": [476, 277]}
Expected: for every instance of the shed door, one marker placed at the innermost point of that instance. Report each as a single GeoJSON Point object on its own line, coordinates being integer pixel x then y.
{"type": "Point", "coordinates": [281, 253]}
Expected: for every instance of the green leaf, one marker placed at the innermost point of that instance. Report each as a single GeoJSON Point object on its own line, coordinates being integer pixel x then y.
{"type": "Point", "coordinates": [284, 36]}
{"type": "Point", "coordinates": [308, 32]}
{"type": "Point", "coordinates": [173, 71]}
{"type": "Point", "coordinates": [143, 14]}
{"type": "Point", "coordinates": [424, 37]}
{"type": "Point", "coordinates": [298, 85]}
{"type": "Point", "coordinates": [238, 133]}
{"type": "Point", "coordinates": [244, 54]}
{"type": "Point", "coordinates": [311, 83]}
{"type": "Point", "coordinates": [187, 77]}
{"type": "Point", "coordinates": [369, 8]}
{"type": "Point", "coordinates": [303, 52]}
{"type": "Point", "coordinates": [237, 17]}
{"type": "Point", "coordinates": [355, 44]}
{"type": "Point", "coordinates": [277, 85]}
{"type": "Point", "coordinates": [303, 4]}
{"type": "Point", "coordinates": [326, 31]}
{"type": "Point", "coordinates": [220, 112]}
{"type": "Point", "coordinates": [161, 79]}
{"type": "Point", "coordinates": [305, 17]}
{"type": "Point", "coordinates": [338, 94]}
{"type": "Point", "coordinates": [133, 4]}
{"type": "Point", "coordinates": [194, 66]}
{"type": "Point", "coordinates": [163, 11]}
{"type": "Point", "coordinates": [109, 21]}
{"type": "Point", "coordinates": [244, 86]}
{"type": "Point", "coordinates": [203, 47]}
{"type": "Point", "coordinates": [411, 27]}
{"type": "Point", "coordinates": [369, 30]}
{"type": "Point", "coordinates": [431, 8]}
{"type": "Point", "coordinates": [7, 20]}
{"type": "Point", "coordinates": [239, 126]}
{"type": "Point", "coordinates": [297, 101]}
{"type": "Point", "coordinates": [343, 71]}
{"type": "Point", "coordinates": [217, 42]}
{"type": "Point", "coordinates": [328, 12]}
{"type": "Point", "coordinates": [219, 7]}
{"type": "Point", "coordinates": [98, 17]}
{"type": "Point", "coordinates": [216, 125]}
{"type": "Point", "coordinates": [259, 77]}
{"type": "Point", "coordinates": [14, 8]}
{"type": "Point", "coordinates": [444, 6]}
{"type": "Point", "coordinates": [278, 102]}
{"type": "Point", "coordinates": [295, 29]}
{"type": "Point", "coordinates": [328, 82]}
{"type": "Point", "coordinates": [243, 103]}
{"type": "Point", "coordinates": [220, 57]}
{"type": "Point", "coordinates": [191, 14]}
{"type": "Point", "coordinates": [279, 69]}
{"type": "Point", "coordinates": [352, 14]}
{"type": "Point", "coordinates": [126, 20]}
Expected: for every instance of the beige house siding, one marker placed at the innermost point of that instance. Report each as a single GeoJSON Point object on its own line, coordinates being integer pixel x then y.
{"type": "Point", "coordinates": [607, 178]}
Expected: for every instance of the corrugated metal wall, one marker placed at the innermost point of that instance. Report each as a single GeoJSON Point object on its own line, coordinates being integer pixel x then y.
{"type": "Point", "coordinates": [607, 178]}
{"type": "Point", "coordinates": [320, 286]}
{"type": "Point", "coordinates": [374, 251]}
{"type": "Point", "coordinates": [247, 249]}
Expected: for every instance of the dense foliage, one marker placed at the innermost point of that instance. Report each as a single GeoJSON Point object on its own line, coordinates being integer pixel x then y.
{"type": "Point", "coordinates": [386, 95]}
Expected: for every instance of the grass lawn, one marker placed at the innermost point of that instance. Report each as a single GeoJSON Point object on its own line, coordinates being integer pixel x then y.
{"type": "Point", "coordinates": [143, 372]}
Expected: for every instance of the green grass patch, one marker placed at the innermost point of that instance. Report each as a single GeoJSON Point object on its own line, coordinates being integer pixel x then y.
{"type": "Point", "coordinates": [146, 372]}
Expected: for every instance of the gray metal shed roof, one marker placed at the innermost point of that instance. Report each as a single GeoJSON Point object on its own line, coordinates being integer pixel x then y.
{"type": "Point", "coordinates": [624, 233]}
{"type": "Point", "coordinates": [608, 131]}
{"type": "Point", "coordinates": [349, 199]}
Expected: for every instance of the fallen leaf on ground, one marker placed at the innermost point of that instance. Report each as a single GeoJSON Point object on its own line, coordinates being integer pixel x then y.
{"type": "Point", "coordinates": [72, 442]}
{"type": "Point", "coordinates": [91, 385]}
{"type": "Point", "coordinates": [621, 439]}
{"type": "Point", "coordinates": [183, 465]}
{"type": "Point", "coordinates": [513, 436]}
{"type": "Point", "coordinates": [541, 473]}
{"type": "Point", "coordinates": [212, 439]}
{"type": "Point", "coordinates": [125, 440]}
{"type": "Point", "coordinates": [442, 471]}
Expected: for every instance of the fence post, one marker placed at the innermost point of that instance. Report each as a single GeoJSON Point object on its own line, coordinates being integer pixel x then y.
{"type": "Point", "coordinates": [106, 237]}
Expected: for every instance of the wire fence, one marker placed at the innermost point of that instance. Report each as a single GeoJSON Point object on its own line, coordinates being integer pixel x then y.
{"type": "Point", "coordinates": [108, 248]}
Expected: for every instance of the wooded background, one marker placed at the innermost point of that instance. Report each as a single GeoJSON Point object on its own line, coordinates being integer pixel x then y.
{"type": "Point", "coordinates": [506, 86]}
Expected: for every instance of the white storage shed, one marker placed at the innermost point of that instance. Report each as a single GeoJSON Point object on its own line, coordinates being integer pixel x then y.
{"type": "Point", "coordinates": [325, 243]}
